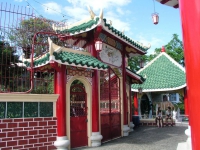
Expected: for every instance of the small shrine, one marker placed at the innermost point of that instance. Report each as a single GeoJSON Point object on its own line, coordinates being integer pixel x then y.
{"type": "Point", "coordinates": [163, 76]}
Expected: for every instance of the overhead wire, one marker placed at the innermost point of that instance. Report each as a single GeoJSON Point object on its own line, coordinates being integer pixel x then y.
{"type": "Point", "coordinates": [63, 15]}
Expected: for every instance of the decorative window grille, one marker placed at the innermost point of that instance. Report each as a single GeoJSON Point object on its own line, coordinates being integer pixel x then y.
{"type": "Point", "coordinates": [26, 109]}
{"type": "Point", "coordinates": [78, 99]}
{"type": "Point", "coordinates": [109, 92]}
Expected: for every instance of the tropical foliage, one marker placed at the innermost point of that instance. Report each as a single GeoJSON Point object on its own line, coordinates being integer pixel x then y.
{"type": "Point", "coordinates": [174, 48]}
{"type": "Point", "coordinates": [24, 34]}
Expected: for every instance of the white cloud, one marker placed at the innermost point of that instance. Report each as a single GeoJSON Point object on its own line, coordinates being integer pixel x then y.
{"type": "Point", "coordinates": [120, 11]}
{"type": "Point", "coordinates": [155, 42]}
{"type": "Point", "coordinates": [52, 8]}
{"type": "Point", "coordinates": [96, 4]}
{"type": "Point", "coordinates": [76, 13]}
{"type": "Point", "coordinates": [79, 11]}
{"type": "Point", "coordinates": [116, 22]}
{"type": "Point", "coordinates": [18, 0]}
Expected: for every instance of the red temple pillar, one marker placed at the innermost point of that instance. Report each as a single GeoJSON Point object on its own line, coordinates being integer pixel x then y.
{"type": "Point", "coordinates": [96, 136]}
{"type": "Point", "coordinates": [190, 16]}
{"type": "Point", "coordinates": [125, 101]}
{"type": "Point", "coordinates": [135, 99]}
{"type": "Point", "coordinates": [60, 88]}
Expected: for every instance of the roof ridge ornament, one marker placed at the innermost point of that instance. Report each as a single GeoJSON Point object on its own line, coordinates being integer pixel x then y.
{"type": "Point", "coordinates": [163, 49]}
{"type": "Point", "coordinates": [123, 31]}
{"type": "Point", "coordinates": [92, 14]}
{"type": "Point", "coordinates": [148, 46]}
{"type": "Point", "coordinates": [101, 14]}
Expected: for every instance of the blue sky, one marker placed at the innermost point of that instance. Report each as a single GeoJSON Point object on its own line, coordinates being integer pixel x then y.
{"type": "Point", "coordinates": [132, 16]}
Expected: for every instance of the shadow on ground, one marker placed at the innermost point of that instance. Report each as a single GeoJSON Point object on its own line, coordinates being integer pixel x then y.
{"type": "Point", "coordinates": [147, 138]}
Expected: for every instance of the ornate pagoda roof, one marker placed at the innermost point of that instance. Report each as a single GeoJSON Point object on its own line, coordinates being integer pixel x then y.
{"type": "Point", "coordinates": [161, 74]}
{"type": "Point", "coordinates": [67, 56]}
{"type": "Point", "coordinates": [94, 21]}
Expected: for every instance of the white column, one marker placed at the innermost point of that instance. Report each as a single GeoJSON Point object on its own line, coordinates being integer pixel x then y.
{"type": "Point", "coordinates": [62, 143]}
{"type": "Point", "coordinates": [188, 144]}
{"type": "Point", "coordinates": [131, 125]}
{"type": "Point", "coordinates": [96, 139]}
{"type": "Point", "coordinates": [126, 130]}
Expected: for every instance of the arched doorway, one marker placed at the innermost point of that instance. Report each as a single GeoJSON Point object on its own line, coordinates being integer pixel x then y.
{"type": "Point", "coordinates": [145, 106]}
{"type": "Point", "coordinates": [78, 114]}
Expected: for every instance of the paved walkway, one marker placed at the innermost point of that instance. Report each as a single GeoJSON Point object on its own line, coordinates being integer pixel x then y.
{"type": "Point", "coordinates": [147, 138]}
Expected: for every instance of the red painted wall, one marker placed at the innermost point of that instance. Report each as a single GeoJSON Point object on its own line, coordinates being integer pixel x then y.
{"type": "Point", "coordinates": [28, 133]}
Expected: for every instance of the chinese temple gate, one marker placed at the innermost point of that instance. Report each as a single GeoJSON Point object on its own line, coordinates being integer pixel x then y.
{"type": "Point", "coordinates": [93, 85]}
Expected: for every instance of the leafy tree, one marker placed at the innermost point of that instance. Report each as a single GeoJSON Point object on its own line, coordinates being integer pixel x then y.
{"type": "Point", "coordinates": [9, 68]}
{"type": "Point", "coordinates": [23, 35]}
{"type": "Point", "coordinates": [174, 48]}
{"type": "Point", "coordinates": [134, 62]}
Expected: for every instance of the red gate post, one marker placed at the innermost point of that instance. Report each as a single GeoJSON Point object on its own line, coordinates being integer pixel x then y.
{"type": "Point", "coordinates": [96, 136]}
{"type": "Point", "coordinates": [126, 129]}
{"type": "Point", "coordinates": [62, 141]}
{"type": "Point", "coordinates": [190, 16]}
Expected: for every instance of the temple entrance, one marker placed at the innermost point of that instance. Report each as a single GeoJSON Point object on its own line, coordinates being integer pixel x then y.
{"type": "Point", "coordinates": [110, 105]}
{"type": "Point", "coordinates": [78, 115]}
{"type": "Point", "coordinates": [145, 106]}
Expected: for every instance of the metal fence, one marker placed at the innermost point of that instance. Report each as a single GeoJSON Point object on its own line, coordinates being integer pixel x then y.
{"type": "Point", "coordinates": [18, 25]}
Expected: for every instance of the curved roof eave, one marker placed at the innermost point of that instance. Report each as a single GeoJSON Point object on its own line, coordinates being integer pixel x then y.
{"type": "Point", "coordinates": [87, 26]}
{"type": "Point", "coordinates": [109, 31]}
{"type": "Point", "coordinates": [171, 3]}
{"type": "Point", "coordinates": [160, 90]}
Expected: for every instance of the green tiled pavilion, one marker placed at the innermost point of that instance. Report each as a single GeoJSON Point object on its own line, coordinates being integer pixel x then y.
{"type": "Point", "coordinates": [161, 74]}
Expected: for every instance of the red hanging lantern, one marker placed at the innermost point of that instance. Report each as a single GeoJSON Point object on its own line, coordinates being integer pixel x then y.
{"type": "Point", "coordinates": [155, 18]}
{"type": "Point", "coordinates": [98, 45]}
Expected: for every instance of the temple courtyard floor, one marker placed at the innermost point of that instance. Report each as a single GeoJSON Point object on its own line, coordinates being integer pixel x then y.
{"type": "Point", "coordinates": [147, 138]}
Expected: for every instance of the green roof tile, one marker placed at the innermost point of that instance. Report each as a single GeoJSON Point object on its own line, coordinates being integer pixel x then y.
{"type": "Point", "coordinates": [88, 25]}
{"type": "Point", "coordinates": [79, 59]}
{"type": "Point", "coordinates": [161, 73]}
{"type": "Point", "coordinates": [81, 27]}
{"type": "Point", "coordinates": [70, 58]}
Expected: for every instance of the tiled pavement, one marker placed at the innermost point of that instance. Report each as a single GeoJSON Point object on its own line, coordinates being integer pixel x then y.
{"type": "Point", "coordinates": [147, 138]}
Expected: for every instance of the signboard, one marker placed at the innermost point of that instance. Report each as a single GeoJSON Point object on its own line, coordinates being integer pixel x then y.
{"type": "Point", "coordinates": [110, 55]}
